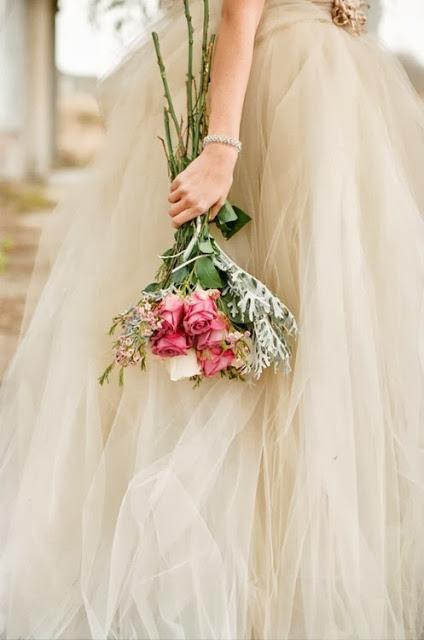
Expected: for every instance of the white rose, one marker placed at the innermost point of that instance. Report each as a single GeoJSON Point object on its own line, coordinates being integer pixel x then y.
{"type": "Point", "coordinates": [182, 367]}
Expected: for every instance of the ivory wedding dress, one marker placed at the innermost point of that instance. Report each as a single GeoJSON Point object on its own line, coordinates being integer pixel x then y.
{"type": "Point", "coordinates": [291, 508]}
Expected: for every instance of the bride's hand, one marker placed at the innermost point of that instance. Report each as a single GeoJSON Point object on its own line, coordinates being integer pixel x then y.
{"type": "Point", "coordinates": [203, 185]}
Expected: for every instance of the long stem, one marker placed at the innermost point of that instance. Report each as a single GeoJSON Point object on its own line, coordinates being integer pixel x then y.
{"type": "Point", "coordinates": [173, 169]}
{"type": "Point", "coordinates": [165, 150]}
{"type": "Point", "coordinates": [200, 128]}
{"type": "Point", "coordinates": [190, 77]}
{"type": "Point", "coordinates": [209, 70]}
{"type": "Point", "coordinates": [167, 91]}
{"type": "Point", "coordinates": [205, 28]}
{"type": "Point", "coordinates": [204, 79]}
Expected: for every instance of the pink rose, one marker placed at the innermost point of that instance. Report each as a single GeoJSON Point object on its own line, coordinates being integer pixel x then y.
{"type": "Point", "coordinates": [216, 359]}
{"type": "Point", "coordinates": [215, 336]}
{"type": "Point", "coordinates": [200, 311]}
{"type": "Point", "coordinates": [171, 311]}
{"type": "Point", "coordinates": [169, 345]}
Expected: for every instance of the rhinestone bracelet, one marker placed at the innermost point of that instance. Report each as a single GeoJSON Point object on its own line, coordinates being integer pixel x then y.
{"type": "Point", "coordinates": [214, 139]}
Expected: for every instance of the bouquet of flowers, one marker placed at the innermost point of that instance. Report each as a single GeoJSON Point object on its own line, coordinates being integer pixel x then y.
{"type": "Point", "coordinates": [204, 314]}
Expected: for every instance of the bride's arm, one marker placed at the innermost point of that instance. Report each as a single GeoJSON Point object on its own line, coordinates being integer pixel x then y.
{"type": "Point", "coordinates": [207, 181]}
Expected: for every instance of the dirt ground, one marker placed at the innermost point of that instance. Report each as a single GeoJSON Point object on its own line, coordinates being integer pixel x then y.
{"type": "Point", "coordinates": [22, 218]}
{"type": "Point", "coordinates": [21, 232]}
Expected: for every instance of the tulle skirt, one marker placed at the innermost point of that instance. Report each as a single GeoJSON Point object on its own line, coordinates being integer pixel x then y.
{"type": "Point", "coordinates": [289, 508]}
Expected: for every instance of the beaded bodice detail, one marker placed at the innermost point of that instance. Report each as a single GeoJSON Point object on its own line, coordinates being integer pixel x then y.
{"type": "Point", "coordinates": [350, 13]}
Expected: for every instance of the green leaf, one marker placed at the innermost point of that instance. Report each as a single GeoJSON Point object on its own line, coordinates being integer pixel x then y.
{"type": "Point", "coordinates": [179, 276]}
{"type": "Point", "coordinates": [229, 227]}
{"type": "Point", "coordinates": [153, 286]}
{"type": "Point", "coordinates": [205, 246]}
{"type": "Point", "coordinates": [207, 274]}
{"type": "Point", "coordinates": [227, 213]}
{"type": "Point", "coordinates": [242, 217]}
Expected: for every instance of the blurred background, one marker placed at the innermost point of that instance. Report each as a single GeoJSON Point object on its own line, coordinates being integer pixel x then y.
{"type": "Point", "coordinates": [52, 55]}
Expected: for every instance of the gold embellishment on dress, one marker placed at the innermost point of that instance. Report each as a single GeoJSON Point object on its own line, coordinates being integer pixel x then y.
{"type": "Point", "coordinates": [348, 13]}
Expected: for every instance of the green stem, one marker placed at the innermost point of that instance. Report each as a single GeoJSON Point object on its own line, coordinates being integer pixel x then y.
{"type": "Point", "coordinates": [205, 28]}
{"type": "Point", "coordinates": [190, 77]}
{"type": "Point", "coordinates": [205, 226]}
{"type": "Point", "coordinates": [207, 48]}
{"type": "Point", "coordinates": [167, 91]}
{"type": "Point", "coordinates": [173, 169]}
{"type": "Point", "coordinates": [208, 72]}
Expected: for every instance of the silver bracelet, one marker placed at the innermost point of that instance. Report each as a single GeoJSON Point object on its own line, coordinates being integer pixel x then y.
{"type": "Point", "coordinates": [231, 142]}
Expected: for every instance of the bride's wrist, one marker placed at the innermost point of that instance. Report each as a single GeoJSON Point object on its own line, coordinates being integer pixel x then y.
{"type": "Point", "coordinates": [230, 141]}
{"type": "Point", "coordinates": [223, 153]}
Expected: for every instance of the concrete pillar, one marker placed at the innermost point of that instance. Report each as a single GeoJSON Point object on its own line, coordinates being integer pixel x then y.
{"type": "Point", "coordinates": [41, 83]}
{"type": "Point", "coordinates": [13, 89]}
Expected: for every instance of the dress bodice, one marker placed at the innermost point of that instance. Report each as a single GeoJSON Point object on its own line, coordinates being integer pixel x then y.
{"type": "Point", "coordinates": [279, 2]}
{"type": "Point", "coordinates": [344, 13]}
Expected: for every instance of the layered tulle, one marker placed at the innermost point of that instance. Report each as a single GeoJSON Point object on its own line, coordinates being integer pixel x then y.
{"type": "Point", "coordinates": [291, 508]}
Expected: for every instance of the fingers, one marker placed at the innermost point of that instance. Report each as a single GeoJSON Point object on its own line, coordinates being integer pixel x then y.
{"type": "Point", "coordinates": [176, 183]}
{"type": "Point", "coordinates": [185, 216]}
{"type": "Point", "coordinates": [187, 209]}
{"type": "Point", "coordinates": [183, 211]}
{"type": "Point", "coordinates": [175, 196]}
{"type": "Point", "coordinates": [178, 208]}
{"type": "Point", "coordinates": [188, 203]}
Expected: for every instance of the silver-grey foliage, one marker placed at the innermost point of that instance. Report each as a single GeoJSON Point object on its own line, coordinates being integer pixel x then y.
{"type": "Point", "coordinates": [272, 321]}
